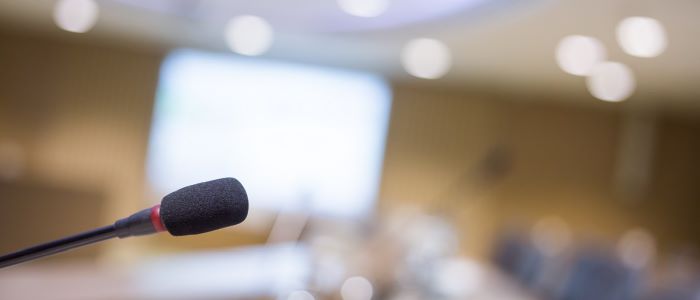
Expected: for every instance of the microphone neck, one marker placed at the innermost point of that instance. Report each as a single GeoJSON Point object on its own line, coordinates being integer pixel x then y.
{"type": "Point", "coordinates": [57, 246]}
{"type": "Point", "coordinates": [144, 222]}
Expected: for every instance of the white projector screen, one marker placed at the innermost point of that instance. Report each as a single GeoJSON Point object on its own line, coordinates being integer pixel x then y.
{"type": "Point", "coordinates": [299, 137]}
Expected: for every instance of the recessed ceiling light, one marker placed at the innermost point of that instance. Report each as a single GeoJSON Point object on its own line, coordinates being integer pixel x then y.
{"type": "Point", "coordinates": [249, 35]}
{"type": "Point", "coordinates": [364, 8]}
{"type": "Point", "coordinates": [611, 81]}
{"type": "Point", "coordinates": [642, 36]}
{"type": "Point", "coordinates": [426, 58]}
{"type": "Point", "coordinates": [75, 15]}
{"type": "Point", "coordinates": [577, 54]}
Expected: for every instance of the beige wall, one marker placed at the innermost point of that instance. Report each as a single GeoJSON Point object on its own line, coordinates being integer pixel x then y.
{"type": "Point", "coordinates": [562, 163]}
{"type": "Point", "coordinates": [82, 112]}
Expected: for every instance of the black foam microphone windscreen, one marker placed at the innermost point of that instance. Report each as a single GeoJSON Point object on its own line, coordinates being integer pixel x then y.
{"type": "Point", "coordinates": [204, 207]}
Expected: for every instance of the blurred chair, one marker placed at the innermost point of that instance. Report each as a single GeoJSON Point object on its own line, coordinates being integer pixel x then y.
{"type": "Point", "coordinates": [596, 274]}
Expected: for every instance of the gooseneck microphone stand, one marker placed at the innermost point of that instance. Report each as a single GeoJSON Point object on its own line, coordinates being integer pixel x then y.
{"type": "Point", "coordinates": [194, 209]}
{"type": "Point", "coordinates": [146, 221]}
{"type": "Point", "coordinates": [60, 245]}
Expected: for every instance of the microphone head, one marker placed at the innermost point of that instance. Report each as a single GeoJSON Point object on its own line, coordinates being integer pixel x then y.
{"type": "Point", "coordinates": [204, 207]}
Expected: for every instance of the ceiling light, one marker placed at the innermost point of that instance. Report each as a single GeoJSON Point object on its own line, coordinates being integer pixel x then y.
{"type": "Point", "coordinates": [611, 81]}
{"type": "Point", "coordinates": [75, 15]}
{"type": "Point", "coordinates": [364, 8]}
{"type": "Point", "coordinates": [249, 35]}
{"type": "Point", "coordinates": [577, 54]}
{"type": "Point", "coordinates": [426, 58]}
{"type": "Point", "coordinates": [641, 36]}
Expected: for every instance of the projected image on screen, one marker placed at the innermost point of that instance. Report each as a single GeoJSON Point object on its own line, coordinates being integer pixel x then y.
{"type": "Point", "coordinates": [298, 137]}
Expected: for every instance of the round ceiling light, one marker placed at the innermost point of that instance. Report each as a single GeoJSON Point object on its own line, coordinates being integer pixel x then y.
{"type": "Point", "coordinates": [364, 8]}
{"type": "Point", "coordinates": [426, 58]}
{"type": "Point", "coordinates": [577, 54]}
{"type": "Point", "coordinates": [642, 36]}
{"type": "Point", "coordinates": [75, 15]}
{"type": "Point", "coordinates": [611, 81]}
{"type": "Point", "coordinates": [249, 35]}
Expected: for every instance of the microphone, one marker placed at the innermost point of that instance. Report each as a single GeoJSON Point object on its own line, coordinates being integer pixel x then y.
{"type": "Point", "coordinates": [194, 209]}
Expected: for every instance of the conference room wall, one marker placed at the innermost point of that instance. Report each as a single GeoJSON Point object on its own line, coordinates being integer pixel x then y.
{"type": "Point", "coordinates": [558, 161]}
{"type": "Point", "coordinates": [81, 112]}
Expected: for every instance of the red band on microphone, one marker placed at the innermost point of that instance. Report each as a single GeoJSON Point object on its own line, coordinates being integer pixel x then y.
{"type": "Point", "coordinates": [155, 218]}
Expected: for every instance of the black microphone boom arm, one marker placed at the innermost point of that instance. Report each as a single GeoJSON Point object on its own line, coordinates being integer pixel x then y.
{"type": "Point", "coordinates": [194, 209]}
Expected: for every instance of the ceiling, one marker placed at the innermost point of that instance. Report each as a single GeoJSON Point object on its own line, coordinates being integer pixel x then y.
{"type": "Point", "coordinates": [506, 44]}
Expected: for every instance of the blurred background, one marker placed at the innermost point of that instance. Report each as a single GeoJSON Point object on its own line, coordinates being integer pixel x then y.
{"type": "Point", "coordinates": [391, 149]}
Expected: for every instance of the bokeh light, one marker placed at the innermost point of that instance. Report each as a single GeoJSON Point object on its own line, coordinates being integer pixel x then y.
{"type": "Point", "coordinates": [641, 36]}
{"type": "Point", "coordinates": [406, 295]}
{"type": "Point", "coordinates": [249, 35]}
{"type": "Point", "coordinates": [577, 54]}
{"type": "Point", "coordinates": [457, 278]}
{"type": "Point", "coordinates": [426, 238]}
{"type": "Point", "coordinates": [76, 15]}
{"type": "Point", "coordinates": [426, 58]}
{"type": "Point", "coordinates": [300, 295]}
{"type": "Point", "coordinates": [611, 81]}
{"type": "Point", "coordinates": [356, 288]}
{"type": "Point", "coordinates": [636, 248]}
{"type": "Point", "coordinates": [364, 8]}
